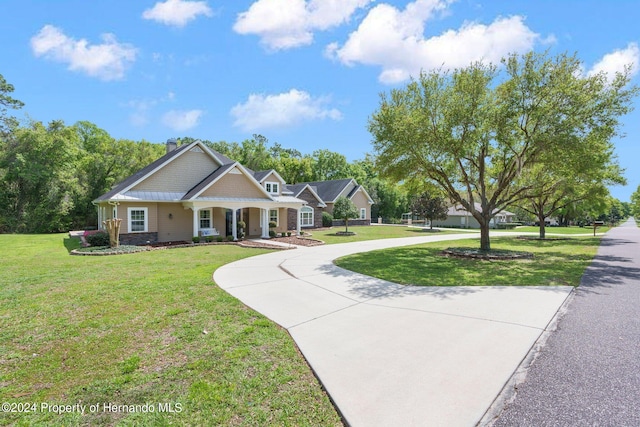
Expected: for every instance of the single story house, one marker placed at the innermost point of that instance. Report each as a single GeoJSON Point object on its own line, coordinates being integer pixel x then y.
{"type": "Point", "coordinates": [459, 217]}
{"type": "Point", "coordinates": [195, 191]}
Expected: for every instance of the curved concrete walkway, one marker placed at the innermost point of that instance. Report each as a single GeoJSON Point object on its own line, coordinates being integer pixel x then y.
{"type": "Point", "coordinates": [389, 354]}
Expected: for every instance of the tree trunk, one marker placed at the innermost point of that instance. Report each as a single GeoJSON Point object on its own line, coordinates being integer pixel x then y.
{"type": "Point", "coordinates": [346, 225]}
{"type": "Point", "coordinates": [485, 244]}
{"type": "Point", "coordinates": [542, 226]}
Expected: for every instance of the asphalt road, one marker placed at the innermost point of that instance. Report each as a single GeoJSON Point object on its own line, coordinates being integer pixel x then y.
{"type": "Point", "coordinates": [588, 371]}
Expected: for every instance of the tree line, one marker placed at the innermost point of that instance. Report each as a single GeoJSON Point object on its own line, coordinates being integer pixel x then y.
{"type": "Point", "coordinates": [533, 137]}
{"type": "Point", "coordinates": [51, 173]}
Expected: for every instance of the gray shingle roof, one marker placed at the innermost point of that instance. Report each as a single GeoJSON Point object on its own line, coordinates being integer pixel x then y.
{"type": "Point", "coordinates": [142, 172]}
{"type": "Point", "coordinates": [329, 190]}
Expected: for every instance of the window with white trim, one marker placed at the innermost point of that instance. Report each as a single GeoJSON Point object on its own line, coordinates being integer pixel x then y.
{"type": "Point", "coordinates": [306, 216]}
{"type": "Point", "coordinates": [363, 213]}
{"type": "Point", "coordinates": [272, 187]}
{"type": "Point", "coordinates": [205, 218]}
{"type": "Point", "coordinates": [138, 220]}
{"type": "Point", "coordinates": [273, 215]}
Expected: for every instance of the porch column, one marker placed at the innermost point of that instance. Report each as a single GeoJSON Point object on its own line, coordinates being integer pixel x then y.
{"type": "Point", "coordinates": [234, 224]}
{"type": "Point", "coordinates": [264, 216]}
{"type": "Point", "coordinates": [298, 221]}
{"type": "Point", "coordinates": [195, 222]}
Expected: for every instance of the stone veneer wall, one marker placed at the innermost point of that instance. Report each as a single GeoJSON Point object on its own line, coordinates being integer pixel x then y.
{"type": "Point", "coordinates": [313, 203]}
{"type": "Point", "coordinates": [138, 238]}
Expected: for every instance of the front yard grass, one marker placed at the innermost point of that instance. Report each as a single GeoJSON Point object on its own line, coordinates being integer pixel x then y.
{"type": "Point", "coordinates": [147, 328]}
{"type": "Point", "coordinates": [558, 230]}
{"type": "Point", "coordinates": [559, 262]}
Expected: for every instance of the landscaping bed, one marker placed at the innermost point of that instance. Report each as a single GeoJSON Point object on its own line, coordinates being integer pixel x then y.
{"type": "Point", "coordinates": [486, 255]}
{"type": "Point", "coordinates": [297, 240]}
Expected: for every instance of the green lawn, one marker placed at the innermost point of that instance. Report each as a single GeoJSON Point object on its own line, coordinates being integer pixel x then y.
{"type": "Point", "coordinates": [373, 232]}
{"type": "Point", "coordinates": [147, 328]}
{"type": "Point", "coordinates": [559, 262]}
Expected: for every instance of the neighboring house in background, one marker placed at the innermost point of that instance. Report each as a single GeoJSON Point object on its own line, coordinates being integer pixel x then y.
{"type": "Point", "coordinates": [330, 191]}
{"type": "Point", "coordinates": [458, 217]}
{"type": "Point", "coordinates": [195, 191]}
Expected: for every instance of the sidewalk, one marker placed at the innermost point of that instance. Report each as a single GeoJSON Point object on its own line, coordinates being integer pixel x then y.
{"type": "Point", "coordinates": [390, 354]}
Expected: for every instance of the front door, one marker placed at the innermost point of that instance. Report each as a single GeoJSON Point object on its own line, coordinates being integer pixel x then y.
{"type": "Point", "coordinates": [229, 217]}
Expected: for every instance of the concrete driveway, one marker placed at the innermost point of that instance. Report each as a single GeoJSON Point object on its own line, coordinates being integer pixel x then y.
{"type": "Point", "coordinates": [389, 354]}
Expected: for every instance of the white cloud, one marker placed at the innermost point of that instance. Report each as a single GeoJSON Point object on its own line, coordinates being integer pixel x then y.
{"type": "Point", "coordinates": [395, 40]}
{"type": "Point", "coordinates": [285, 24]}
{"type": "Point", "coordinates": [107, 61]}
{"type": "Point", "coordinates": [142, 108]}
{"type": "Point", "coordinates": [281, 110]}
{"type": "Point", "coordinates": [177, 13]}
{"type": "Point", "coordinates": [615, 62]}
{"type": "Point", "coordinates": [182, 120]}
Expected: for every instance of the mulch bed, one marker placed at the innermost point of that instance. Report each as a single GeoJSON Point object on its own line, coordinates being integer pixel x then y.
{"type": "Point", "coordinates": [493, 255]}
{"type": "Point", "coordinates": [297, 240]}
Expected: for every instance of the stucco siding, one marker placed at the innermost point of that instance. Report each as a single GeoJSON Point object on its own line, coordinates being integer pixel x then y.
{"type": "Point", "coordinates": [361, 201]}
{"type": "Point", "coordinates": [180, 175]}
{"type": "Point", "coordinates": [253, 225]}
{"type": "Point", "coordinates": [234, 185]}
{"type": "Point", "coordinates": [152, 220]}
{"type": "Point", "coordinates": [178, 227]}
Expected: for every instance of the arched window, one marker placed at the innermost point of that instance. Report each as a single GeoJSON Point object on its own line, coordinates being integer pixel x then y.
{"type": "Point", "coordinates": [306, 216]}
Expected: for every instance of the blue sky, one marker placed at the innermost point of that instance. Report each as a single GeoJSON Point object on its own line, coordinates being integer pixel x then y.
{"type": "Point", "coordinates": [306, 74]}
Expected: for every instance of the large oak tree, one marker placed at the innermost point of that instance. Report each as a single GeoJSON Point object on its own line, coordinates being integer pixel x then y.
{"type": "Point", "coordinates": [474, 131]}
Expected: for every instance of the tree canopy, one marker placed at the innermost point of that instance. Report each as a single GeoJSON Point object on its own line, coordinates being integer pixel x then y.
{"type": "Point", "coordinates": [475, 131]}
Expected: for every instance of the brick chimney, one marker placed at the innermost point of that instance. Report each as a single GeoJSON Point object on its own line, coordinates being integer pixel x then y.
{"type": "Point", "coordinates": [172, 144]}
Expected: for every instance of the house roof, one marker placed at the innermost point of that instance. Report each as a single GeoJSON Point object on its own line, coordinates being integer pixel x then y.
{"type": "Point", "coordinates": [120, 190]}
{"type": "Point", "coordinates": [202, 185]}
{"type": "Point", "coordinates": [329, 191]}
{"type": "Point", "coordinates": [131, 180]}
{"type": "Point", "coordinates": [297, 189]}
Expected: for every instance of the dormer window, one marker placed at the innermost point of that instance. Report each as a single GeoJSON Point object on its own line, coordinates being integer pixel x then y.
{"type": "Point", "coordinates": [272, 187]}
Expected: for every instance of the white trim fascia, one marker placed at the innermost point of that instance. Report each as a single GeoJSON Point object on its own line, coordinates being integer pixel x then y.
{"type": "Point", "coordinates": [244, 172]}
{"type": "Point", "coordinates": [160, 166]}
{"type": "Point", "coordinates": [208, 151]}
{"type": "Point", "coordinates": [273, 171]}
{"type": "Point", "coordinates": [322, 204]}
{"type": "Point", "coordinates": [343, 190]}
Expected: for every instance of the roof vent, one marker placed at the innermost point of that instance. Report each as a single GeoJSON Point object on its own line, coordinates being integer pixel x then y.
{"type": "Point", "coordinates": [172, 144]}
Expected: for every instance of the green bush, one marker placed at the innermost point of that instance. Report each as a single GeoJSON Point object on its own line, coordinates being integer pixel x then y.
{"type": "Point", "coordinates": [288, 233]}
{"type": "Point", "coordinates": [507, 225]}
{"type": "Point", "coordinates": [283, 234]}
{"type": "Point", "coordinates": [272, 224]}
{"type": "Point", "coordinates": [272, 233]}
{"type": "Point", "coordinates": [100, 238]}
{"type": "Point", "coordinates": [229, 238]}
{"type": "Point", "coordinates": [196, 239]}
{"type": "Point", "coordinates": [327, 219]}
{"type": "Point", "coordinates": [219, 239]}
{"type": "Point", "coordinates": [209, 239]}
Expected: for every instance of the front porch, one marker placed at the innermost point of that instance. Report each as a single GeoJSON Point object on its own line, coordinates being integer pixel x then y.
{"type": "Point", "coordinates": [220, 218]}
